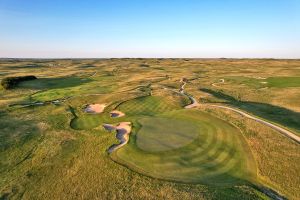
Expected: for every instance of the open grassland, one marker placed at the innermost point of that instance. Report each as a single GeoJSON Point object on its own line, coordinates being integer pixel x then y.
{"type": "Point", "coordinates": [51, 149]}
{"type": "Point", "coordinates": [261, 83]}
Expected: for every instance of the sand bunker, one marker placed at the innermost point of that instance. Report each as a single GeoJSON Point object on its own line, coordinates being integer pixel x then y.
{"type": "Point", "coordinates": [260, 78]}
{"type": "Point", "coordinates": [109, 127]}
{"type": "Point", "coordinates": [95, 108]}
{"type": "Point", "coordinates": [123, 131]}
{"type": "Point", "coordinates": [116, 113]}
{"type": "Point", "coordinates": [220, 82]}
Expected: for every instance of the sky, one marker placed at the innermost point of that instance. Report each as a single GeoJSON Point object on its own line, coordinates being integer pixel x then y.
{"type": "Point", "coordinates": [150, 28]}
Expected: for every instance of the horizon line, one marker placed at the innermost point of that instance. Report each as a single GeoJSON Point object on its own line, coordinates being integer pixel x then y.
{"type": "Point", "coordinates": [82, 58]}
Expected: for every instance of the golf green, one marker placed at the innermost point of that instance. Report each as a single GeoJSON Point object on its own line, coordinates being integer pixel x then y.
{"type": "Point", "coordinates": [158, 134]}
{"type": "Point", "coordinates": [188, 146]}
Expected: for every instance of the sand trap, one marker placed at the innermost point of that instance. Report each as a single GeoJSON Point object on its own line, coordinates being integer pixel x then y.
{"type": "Point", "coordinates": [264, 82]}
{"type": "Point", "coordinates": [220, 81]}
{"type": "Point", "coordinates": [260, 78]}
{"type": "Point", "coordinates": [116, 113]}
{"type": "Point", "coordinates": [95, 108]}
{"type": "Point", "coordinates": [263, 88]}
{"type": "Point", "coordinates": [123, 131]}
{"type": "Point", "coordinates": [109, 127]}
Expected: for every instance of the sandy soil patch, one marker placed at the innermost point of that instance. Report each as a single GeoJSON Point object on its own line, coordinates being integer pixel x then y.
{"type": "Point", "coordinates": [262, 78]}
{"type": "Point", "coordinates": [220, 82]}
{"type": "Point", "coordinates": [116, 113]}
{"type": "Point", "coordinates": [95, 108]}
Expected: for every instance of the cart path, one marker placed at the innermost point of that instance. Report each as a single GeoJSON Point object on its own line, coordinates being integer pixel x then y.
{"type": "Point", "coordinates": [271, 125]}
{"type": "Point", "coordinates": [283, 131]}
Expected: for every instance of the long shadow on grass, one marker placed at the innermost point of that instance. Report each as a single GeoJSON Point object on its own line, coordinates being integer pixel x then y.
{"type": "Point", "coordinates": [53, 83]}
{"type": "Point", "coordinates": [86, 66]}
{"type": "Point", "coordinates": [277, 114]}
{"type": "Point", "coordinates": [25, 66]}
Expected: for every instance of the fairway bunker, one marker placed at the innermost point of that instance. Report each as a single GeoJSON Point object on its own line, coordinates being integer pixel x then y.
{"type": "Point", "coordinates": [109, 127]}
{"type": "Point", "coordinates": [123, 130]}
{"type": "Point", "coordinates": [116, 114]}
{"type": "Point", "coordinates": [95, 108]}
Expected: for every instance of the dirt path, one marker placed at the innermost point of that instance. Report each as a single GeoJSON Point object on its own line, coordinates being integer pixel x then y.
{"type": "Point", "coordinates": [192, 99]}
{"type": "Point", "coordinates": [216, 84]}
{"type": "Point", "coordinates": [94, 74]}
{"type": "Point", "coordinates": [275, 127]}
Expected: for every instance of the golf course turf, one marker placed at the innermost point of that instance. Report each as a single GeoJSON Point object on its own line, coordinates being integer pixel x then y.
{"type": "Point", "coordinates": [162, 134]}
{"type": "Point", "coordinates": [212, 152]}
{"type": "Point", "coordinates": [149, 105]}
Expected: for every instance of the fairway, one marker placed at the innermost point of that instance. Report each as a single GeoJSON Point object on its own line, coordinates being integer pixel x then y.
{"type": "Point", "coordinates": [259, 82]}
{"type": "Point", "coordinates": [282, 82]}
{"type": "Point", "coordinates": [149, 105]}
{"type": "Point", "coordinates": [212, 152]}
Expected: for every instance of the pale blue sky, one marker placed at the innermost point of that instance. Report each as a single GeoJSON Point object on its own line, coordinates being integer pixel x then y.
{"type": "Point", "coordinates": [150, 28]}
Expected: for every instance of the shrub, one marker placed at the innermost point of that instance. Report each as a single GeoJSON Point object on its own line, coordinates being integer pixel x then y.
{"type": "Point", "coordinates": [144, 65]}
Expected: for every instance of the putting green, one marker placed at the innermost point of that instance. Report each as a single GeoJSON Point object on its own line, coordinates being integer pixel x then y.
{"type": "Point", "coordinates": [214, 153]}
{"type": "Point", "coordinates": [158, 134]}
